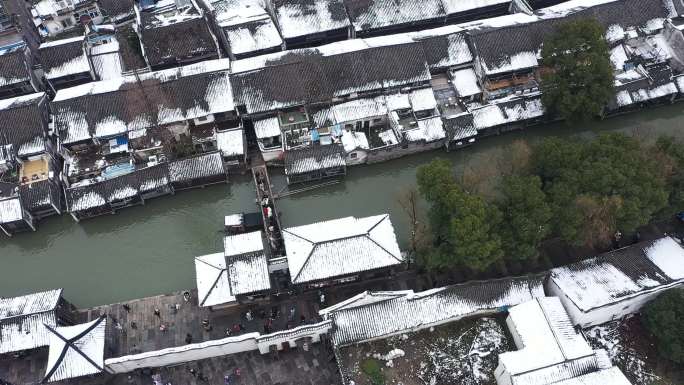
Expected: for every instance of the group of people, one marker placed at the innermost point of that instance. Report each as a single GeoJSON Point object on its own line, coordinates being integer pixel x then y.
{"type": "Point", "coordinates": [268, 210]}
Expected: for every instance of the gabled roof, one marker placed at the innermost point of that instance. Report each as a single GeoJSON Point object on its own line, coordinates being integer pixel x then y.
{"type": "Point", "coordinates": [64, 57]}
{"type": "Point", "coordinates": [512, 42]}
{"type": "Point", "coordinates": [446, 50]}
{"type": "Point", "coordinates": [241, 269]}
{"type": "Point", "coordinates": [304, 76]}
{"type": "Point", "coordinates": [314, 158]}
{"type": "Point", "coordinates": [112, 107]}
{"type": "Point", "coordinates": [368, 15]}
{"type": "Point", "coordinates": [99, 194]}
{"type": "Point", "coordinates": [340, 247]}
{"type": "Point", "coordinates": [621, 274]}
{"type": "Point", "coordinates": [213, 286]}
{"type": "Point", "coordinates": [170, 34]}
{"type": "Point", "coordinates": [376, 315]}
{"type": "Point", "coordinates": [298, 18]}
{"type": "Point", "coordinates": [13, 66]}
{"type": "Point", "coordinates": [76, 351]}
{"type": "Point", "coordinates": [40, 195]}
{"type": "Point", "coordinates": [23, 124]}
{"type": "Point", "coordinates": [460, 127]}
{"type": "Point", "coordinates": [200, 166]}
{"type": "Point", "coordinates": [116, 9]}
{"type": "Point", "coordinates": [106, 60]}
{"type": "Point", "coordinates": [22, 320]}
{"type": "Point", "coordinates": [550, 349]}
{"type": "Point", "coordinates": [252, 36]}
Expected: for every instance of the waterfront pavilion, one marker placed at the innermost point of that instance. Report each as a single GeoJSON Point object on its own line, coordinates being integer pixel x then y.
{"type": "Point", "coordinates": [76, 351]}
{"type": "Point", "coordinates": [340, 250]}
{"type": "Point", "coordinates": [240, 271]}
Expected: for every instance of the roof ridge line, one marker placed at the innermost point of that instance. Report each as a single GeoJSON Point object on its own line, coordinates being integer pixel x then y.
{"type": "Point", "coordinates": [70, 343]}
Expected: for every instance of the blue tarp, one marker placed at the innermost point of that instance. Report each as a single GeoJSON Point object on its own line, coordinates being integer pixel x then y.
{"type": "Point", "coordinates": [314, 135]}
{"type": "Point", "coordinates": [118, 170]}
{"type": "Point", "coordinates": [122, 140]}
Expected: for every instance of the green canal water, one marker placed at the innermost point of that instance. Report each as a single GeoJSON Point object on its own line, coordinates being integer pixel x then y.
{"type": "Point", "coordinates": [148, 250]}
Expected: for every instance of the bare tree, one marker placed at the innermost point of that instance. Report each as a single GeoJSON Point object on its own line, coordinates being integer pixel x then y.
{"type": "Point", "coordinates": [408, 200]}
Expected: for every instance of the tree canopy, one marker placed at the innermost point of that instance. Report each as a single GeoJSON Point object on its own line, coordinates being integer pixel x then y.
{"type": "Point", "coordinates": [663, 319]}
{"type": "Point", "coordinates": [526, 216]}
{"type": "Point", "coordinates": [577, 77]}
{"type": "Point", "coordinates": [462, 224]}
{"type": "Point", "coordinates": [596, 187]}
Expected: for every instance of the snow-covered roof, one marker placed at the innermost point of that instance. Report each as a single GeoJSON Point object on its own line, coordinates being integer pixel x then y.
{"type": "Point", "coordinates": [76, 351]}
{"type": "Point", "coordinates": [230, 142]}
{"type": "Point", "coordinates": [310, 17]}
{"type": "Point", "coordinates": [621, 274]}
{"type": "Point", "coordinates": [164, 97]}
{"type": "Point", "coordinates": [350, 111]}
{"type": "Point", "coordinates": [243, 243]}
{"type": "Point", "coordinates": [248, 273]}
{"type": "Point", "coordinates": [340, 247]}
{"type": "Point", "coordinates": [14, 67]}
{"type": "Point", "coordinates": [550, 349]}
{"type": "Point", "coordinates": [11, 210]}
{"type": "Point", "coordinates": [314, 158]}
{"type": "Point", "coordinates": [428, 130]}
{"type": "Point", "coordinates": [488, 116]}
{"type": "Point", "coordinates": [610, 376]}
{"type": "Point", "coordinates": [465, 82]}
{"type": "Point", "coordinates": [247, 264]}
{"type": "Point", "coordinates": [197, 167]}
{"type": "Point", "coordinates": [267, 128]}
{"type": "Point", "coordinates": [22, 320]}
{"type": "Point", "coordinates": [65, 57]}
{"type": "Point", "coordinates": [213, 286]}
{"type": "Point", "coordinates": [297, 77]}
{"type": "Point", "coordinates": [375, 315]}
{"type": "Point", "coordinates": [254, 36]}
{"type": "Point", "coordinates": [24, 124]}
{"type": "Point", "coordinates": [352, 140]}
{"type": "Point", "coordinates": [512, 42]}
{"type": "Point", "coordinates": [106, 60]}
{"type": "Point", "coordinates": [422, 99]}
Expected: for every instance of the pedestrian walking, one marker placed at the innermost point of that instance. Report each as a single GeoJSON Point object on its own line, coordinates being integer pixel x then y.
{"type": "Point", "coordinates": [162, 328]}
{"type": "Point", "coordinates": [249, 316]}
{"type": "Point", "coordinates": [126, 307]}
{"type": "Point", "coordinates": [157, 312]}
{"type": "Point", "coordinates": [188, 338]}
{"type": "Point", "coordinates": [193, 372]}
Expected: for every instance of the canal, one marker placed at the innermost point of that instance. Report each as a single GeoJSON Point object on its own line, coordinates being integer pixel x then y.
{"type": "Point", "coordinates": [148, 250]}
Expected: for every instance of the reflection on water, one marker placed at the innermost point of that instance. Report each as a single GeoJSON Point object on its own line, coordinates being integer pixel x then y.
{"type": "Point", "coordinates": [147, 250]}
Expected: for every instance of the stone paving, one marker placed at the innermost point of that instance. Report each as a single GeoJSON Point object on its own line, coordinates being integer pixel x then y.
{"type": "Point", "coordinates": [134, 327]}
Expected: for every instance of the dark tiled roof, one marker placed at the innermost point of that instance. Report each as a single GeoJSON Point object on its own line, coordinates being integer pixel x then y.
{"type": "Point", "coordinates": [314, 158]}
{"type": "Point", "coordinates": [660, 73]}
{"type": "Point", "coordinates": [311, 78]}
{"type": "Point", "coordinates": [131, 105]}
{"type": "Point", "coordinates": [496, 45]}
{"type": "Point", "coordinates": [447, 50]}
{"type": "Point", "coordinates": [460, 127]}
{"type": "Point", "coordinates": [373, 14]}
{"type": "Point", "coordinates": [13, 67]}
{"type": "Point", "coordinates": [116, 189]}
{"type": "Point", "coordinates": [177, 41]}
{"type": "Point", "coordinates": [116, 8]}
{"type": "Point", "coordinates": [304, 17]}
{"type": "Point", "coordinates": [22, 122]}
{"type": "Point", "coordinates": [7, 189]}
{"type": "Point", "coordinates": [612, 276]}
{"type": "Point", "coordinates": [404, 311]}
{"type": "Point", "coordinates": [197, 167]}
{"type": "Point", "coordinates": [40, 195]}
{"type": "Point", "coordinates": [54, 56]}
